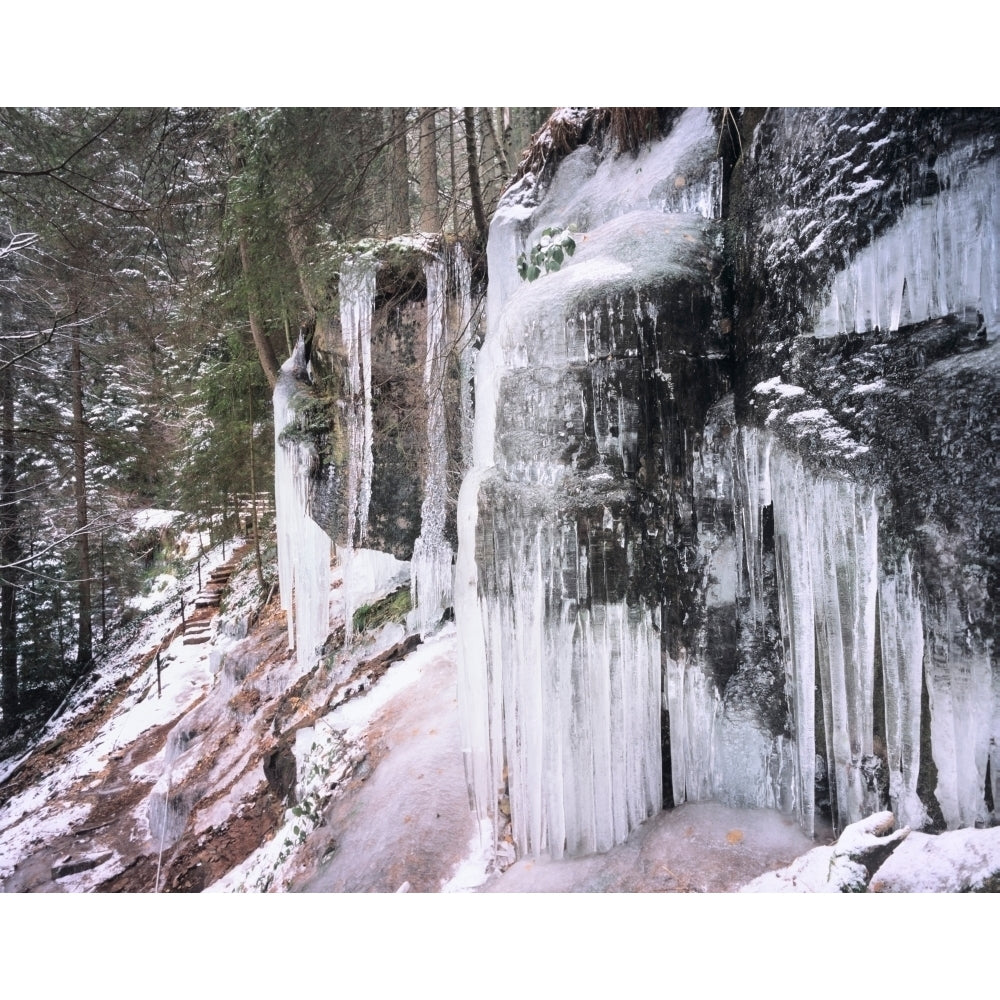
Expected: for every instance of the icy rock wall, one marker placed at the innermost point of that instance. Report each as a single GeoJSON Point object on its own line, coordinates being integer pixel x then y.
{"type": "Point", "coordinates": [303, 546]}
{"type": "Point", "coordinates": [407, 320]}
{"type": "Point", "coordinates": [812, 560]}
{"type": "Point", "coordinates": [941, 257]}
{"type": "Point", "coordinates": [837, 571]}
{"type": "Point", "coordinates": [825, 541]}
{"type": "Point", "coordinates": [866, 282]}
{"type": "Point", "coordinates": [582, 454]}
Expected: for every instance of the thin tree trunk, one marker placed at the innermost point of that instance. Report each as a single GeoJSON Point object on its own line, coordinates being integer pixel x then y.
{"type": "Point", "coordinates": [265, 350]}
{"type": "Point", "coordinates": [253, 501]}
{"type": "Point", "coordinates": [454, 171]}
{"type": "Point", "coordinates": [85, 640]}
{"type": "Point", "coordinates": [500, 142]}
{"type": "Point", "coordinates": [399, 173]}
{"type": "Point", "coordinates": [104, 595]}
{"type": "Point", "coordinates": [474, 185]}
{"type": "Point", "coordinates": [9, 554]}
{"type": "Point", "coordinates": [430, 217]}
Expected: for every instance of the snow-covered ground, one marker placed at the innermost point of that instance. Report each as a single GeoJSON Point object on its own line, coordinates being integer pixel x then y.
{"type": "Point", "coordinates": [382, 802]}
{"type": "Point", "coordinates": [40, 813]}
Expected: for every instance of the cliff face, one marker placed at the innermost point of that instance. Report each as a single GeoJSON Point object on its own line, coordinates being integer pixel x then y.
{"type": "Point", "coordinates": [731, 527]}
{"type": "Point", "coordinates": [375, 429]}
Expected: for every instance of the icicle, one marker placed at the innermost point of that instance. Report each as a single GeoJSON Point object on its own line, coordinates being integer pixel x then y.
{"type": "Point", "coordinates": [939, 258]}
{"type": "Point", "coordinates": [303, 546]}
{"type": "Point", "coordinates": [581, 691]}
{"type": "Point", "coordinates": [795, 607]}
{"type": "Point", "coordinates": [357, 305]}
{"type": "Point", "coordinates": [751, 494]}
{"type": "Point", "coordinates": [694, 706]}
{"type": "Point", "coordinates": [901, 627]}
{"type": "Point", "coordinates": [960, 689]}
{"type": "Point", "coordinates": [432, 554]}
{"type": "Point", "coordinates": [826, 542]}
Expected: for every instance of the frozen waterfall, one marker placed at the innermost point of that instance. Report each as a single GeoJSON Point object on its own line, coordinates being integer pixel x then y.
{"type": "Point", "coordinates": [561, 683]}
{"type": "Point", "coordinates": [834, 580]}
{"type": "Point", "coordinates": [303, 546]}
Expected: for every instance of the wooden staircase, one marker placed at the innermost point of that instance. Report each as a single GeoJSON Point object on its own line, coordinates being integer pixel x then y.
{"type": "Point", "coordinates": [198, 627]}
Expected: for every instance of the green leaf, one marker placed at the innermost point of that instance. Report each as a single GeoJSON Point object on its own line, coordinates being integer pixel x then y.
{"type": "Point", "coordinates": [533, 272]}
{"type": "Point", "coordinates": [569, 245]}
{"type": "Point", "coordinates": [556, 255]}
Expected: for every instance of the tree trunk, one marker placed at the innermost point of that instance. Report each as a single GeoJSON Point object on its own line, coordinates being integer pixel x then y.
{"type": "Point", "coordinates": [453, 201]}
{"type": "Point", "coordinates": [399, 177]}
{"type": "Point", "coordinates": [265, 350]}
{"type": "Point", "coordinates": [9, 554]}
{"type": "Point", "coordinates": [253, 501]}
{"type": "Point", "coordinates": [474, 185]}
{"type": "Point", "coordinates": [430, 217]}
{"type": "Point", "coordinates": [85, 641]}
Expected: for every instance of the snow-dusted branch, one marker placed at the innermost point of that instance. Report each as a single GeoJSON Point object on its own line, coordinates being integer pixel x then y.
{"type": "Point", "coordinates": [93, 527]}
{"type": "Point", "coordinates": [42, 337]}
{"type": "Point", "coordinates": [17, 243]}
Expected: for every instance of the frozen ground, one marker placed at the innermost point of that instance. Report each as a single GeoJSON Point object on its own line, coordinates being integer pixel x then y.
{"type": "Point", "coordinates": [382, 797]}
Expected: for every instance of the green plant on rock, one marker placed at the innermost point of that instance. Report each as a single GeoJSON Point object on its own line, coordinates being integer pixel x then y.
{"type": "Point", "coordinates": [393, 608]}
{"type": "Point", "coordinates": [547, 254]}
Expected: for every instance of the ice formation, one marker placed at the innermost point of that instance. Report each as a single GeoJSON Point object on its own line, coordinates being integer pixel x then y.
{"type": "Point", "coordinates": [560, 686]}
{"type": "Point", "coordinates": [941, 257]}
{"type": "Point", "coordinates": [303, 546]}
{"type": "Point", "coordinates": [357, 305]}
{"type": "Point", "coordinates": [960, 690]}
{"type": "Point", "coordinates": [834, 568]}
{"type": "Point", "coordinates": [431, 565]}
{"type": "Point", "coordinates": [825, 539]}
{"type": "Point", "coordinates": [361, 565]}
{"type": "Point", "coordinates": [655, 559]}
{"type": "Point", "coordinates": [901, 628]}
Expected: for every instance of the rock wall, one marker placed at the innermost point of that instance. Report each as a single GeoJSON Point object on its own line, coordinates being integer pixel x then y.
{"type": "Point", "coordinates": [370, 443]}
{"type": "Point", "coordinates": [731, 526]}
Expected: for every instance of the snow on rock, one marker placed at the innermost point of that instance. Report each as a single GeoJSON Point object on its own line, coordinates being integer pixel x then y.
{"type": "Point", "coordinates": [869, 857]}
{"type": "Point", "coordinates": [846, 866]}
{"type": "Point", "coordinates": [956, 861]}
{"type": "Point", "coordinates": [154, 518]}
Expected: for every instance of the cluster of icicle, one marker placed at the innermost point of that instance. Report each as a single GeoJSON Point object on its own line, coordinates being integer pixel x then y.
{"type": "Point", "coordinates": [941, 257]}
{"type": "Point", "coordinates": [431, 569]}
{"type": "Point", "coordinates": [366, 571]}
{"type": "Point", "coordinates": [560, 693]}
{"type": "Point", "coordinates": [833, 580]}
{"type": "Point", "coordinates": [303, 546]}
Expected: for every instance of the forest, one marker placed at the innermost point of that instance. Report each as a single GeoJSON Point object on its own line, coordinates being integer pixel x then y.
{"type": "Point", "coordinates": [156, 267]}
